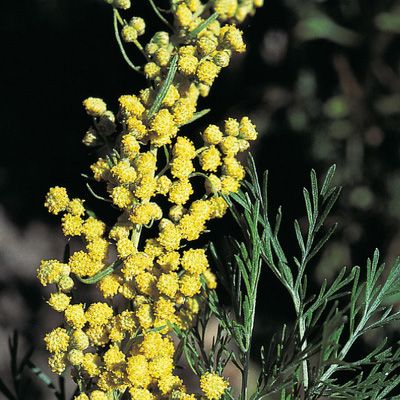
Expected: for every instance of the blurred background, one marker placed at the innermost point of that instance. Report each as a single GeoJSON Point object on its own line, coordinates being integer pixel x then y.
{"type": "Point", "coordinates": [321, 79]}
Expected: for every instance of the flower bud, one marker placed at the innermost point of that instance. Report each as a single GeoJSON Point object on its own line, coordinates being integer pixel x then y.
{"type": "Point", "coordinates": [129, 34]}
{"type": "Point", "coordinates": [65, 284]}
{"type": "Point", "coordinates": [161, 38]}
{"type": "Point", "coordinates": [94, 106]}
{"type": "Point", "coordinates": [123, 4]}
{"type": "Point", "coordinates": [91, 138]}
{"type": "Point", "coordinates": [106, 124]}
{"type": "Point", "coordinates": [222, 58]}
{"type": "Point", "coordinates": [151, 48]}
{"type": "Point", "coordinates": [138, 24]}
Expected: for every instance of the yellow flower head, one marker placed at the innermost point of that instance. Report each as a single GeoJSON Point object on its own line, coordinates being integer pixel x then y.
{"type": "Point", "coordinates": [122, 197]}
{"type": "Point", "coordinates": [171, 97]}
{"type": "Point", "coordinates": [180, 191]}
{"type": "Point", "coordinates": [189, 284]}
{"type": "Point", "coordinates": [135, 264]}
{"type": "Point", "coordinates": [129, 34]}
{"type": "Point", "coordinates": [124, 172]}
{"type": "Point", "coordinates": [141, 394]}
{"type": "Point", "coordinates": [169, 261]}
{"type": "Point", "coordinates": [181, 167]}
{"type": "Point", "coordinates": [168, 284]}
{"type": "Point", "coordinates": [170, 237]}
{"type": "Point", "coordinates": [145, 316]}
{"type": "Point", "coordinates": [184, 147]}
{"type": "Point", "coordinates": [212, 135]}
{"type": "Point", "coordinates": [231, 127]}
{"type": "Point", "coordinates": [81, 396]}
{"type": "Point", "coordinates": [183, 15]}
{"type": "Point", "coordinates": [152, 345]}
{"type": "Point", "coordinates": [75, 357]}
{"type": "Point", "coordinates": [51, 271]}
{"type": "Point", "coordinates": [213, 385]}
{"type": "Point", "coordinates": [98, 394]}
{"type": "Point", "coordinates": [146, 187]}
{"type": "Point", "coordinates": [232, 38]}
{"type": "Point", "coordinates": [161, 366]}
{"type": "Point", "coordinates": [207, 71]}
{"type": "Point", "coordinates": [210, 159]}
{"type": "Point", "coordinates": [130, 105]}
{"type": "Point", "coordinates": [136, 127]}
{"type": "Point", "coordinates": [76, 207]}
{"type": "Point", "coordinates": [163, 126]}
{"type": "Point", "coordinates": [93, 228]}
{"type": "Point", "coordinates": [59, 301]}
{"type": "Point", "coordinates": [162, 57]}
{"type": "Point", "coordinates": [138, 371]}
{"type": "Point", "coordinates": [91, 364]}
{"type": "Point", "coordinates": [56, 200]}
{"type": "Point", "coordinates": [145, 164]}
{"type": "Point", "coordinates": [57, 340]}
{"type": "Point", "coordinates": [187, 64]}
{"type": "Point", "coordinates": [75, 316]}
{"type": "Point", "coordinates": [130, 146]}
{"type": "Point", "coordinates": [144, 213]}
{"type": "Point", "coordinates": [176, 212]}
{"type": "Point", "coordinates": [163, 184]}
{"type": "Point", "coordinates": [145, 283]}
{"type": "Point", "coordinates": [99, 313]}
{"type": "Point", "coordinates": [247, 129]}
{"type": "Point", "coordinates": [194, 261]}
{"type": "Point", "coordinates": [222, 58]}
{"type": "Point", "coordinates": [100, 169]}
{"type": "Point", "coordinates": [95, 106]}
{"type": "Point", "coordinates": [151, 70]}
{"type": "Point", "coordinates": [72, 225]}
{"type": "Point", "coordinates": [138, 24]}
{"type": "Point", "coordinates": [109, 285]}
{"type": "Point", "coordinates": [207, 45]}
{"type": "Point", "coordinates": [57, 363]}
{"type": "Point", "coordinates": [79, 340]}
{"type": "Point", "coordinates": [113, 356]}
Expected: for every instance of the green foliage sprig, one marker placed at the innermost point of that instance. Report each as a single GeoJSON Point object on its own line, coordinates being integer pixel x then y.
{"type": "Point", "coordinates": [305, 360]}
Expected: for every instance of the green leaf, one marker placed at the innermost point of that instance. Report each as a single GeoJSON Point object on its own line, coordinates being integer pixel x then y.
{"type": "Point", "coordinates": [41, 375]}
{"type": "Point", "coordinates": [327, 180]}
{"type": "Point", "coordinates": [4, 389]}
{"type": "Point", "coordinates": [101, 274]}
{"type": "Point", "coordinates": [299, 236]}
{"type": "Point", "coordinates": [193, 34]}
{"type": "Point", "coordinates": [164, 87]}
{"type": "Point", "coordinates": [321, 243]}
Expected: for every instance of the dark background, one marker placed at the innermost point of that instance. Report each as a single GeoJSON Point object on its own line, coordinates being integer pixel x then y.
{"type": "Point", "coordinates": [320, 79]}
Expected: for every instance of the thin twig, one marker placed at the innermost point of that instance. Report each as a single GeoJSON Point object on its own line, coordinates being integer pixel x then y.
{"type": "Point", "coordinates": [159, 15]}
{"type": "Point", "coordinates": [117, 18]}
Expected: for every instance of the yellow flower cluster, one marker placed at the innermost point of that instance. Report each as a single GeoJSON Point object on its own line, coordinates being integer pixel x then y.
{"type": "Point", "coordinates": [213, 385]}
{"type": "Point", "coordinates": [235, 10]}
{"type": "Point", "coordinates": [123, 343]}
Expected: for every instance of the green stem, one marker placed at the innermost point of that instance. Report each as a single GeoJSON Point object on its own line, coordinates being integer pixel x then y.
{"type": "Point", "coordinates": [196, 116]}
{"type": "Point", "coordinates": [245, 375]}
{"type": "Point", "coordinates": [302, 329]}
{"type": "Point", "coordinates": [117, 18]}
{"type": "Point", "coordinates": [96, 196]}
{"type": "Point", "coordinates": [140, 48]}
{"type": "Point", "coordinates": [159, 15]}
{"type": "Point", "coordinates": [135, 237]}
{"type": "Point", "coordinates": [167, 163]}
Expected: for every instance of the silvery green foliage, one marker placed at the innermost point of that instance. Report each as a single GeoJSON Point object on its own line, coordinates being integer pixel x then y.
{"type": "Point", "coordinates": [305, 359]}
